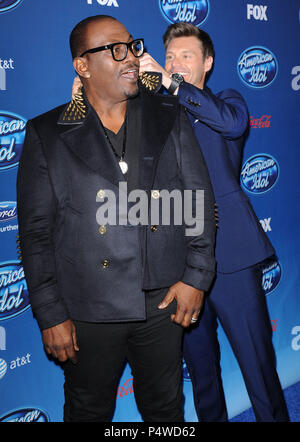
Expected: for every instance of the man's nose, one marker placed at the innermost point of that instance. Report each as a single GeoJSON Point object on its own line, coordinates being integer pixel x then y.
{"type": "Point", "coordinates": [130, 56]}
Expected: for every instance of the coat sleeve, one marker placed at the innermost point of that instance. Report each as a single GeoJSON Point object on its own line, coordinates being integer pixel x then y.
{"type": "Point", "coordinates": [225, 112]}
{"type": "Point", "coordinates": [36, 205]}
{"type": "Point", "coordinates": [200, 262]}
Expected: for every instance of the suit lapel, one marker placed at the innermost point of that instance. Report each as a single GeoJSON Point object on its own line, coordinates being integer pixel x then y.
{"type": "Point", "coordinates": [87, 141]}
{"type": "Point", "coordinates": [158, 117]}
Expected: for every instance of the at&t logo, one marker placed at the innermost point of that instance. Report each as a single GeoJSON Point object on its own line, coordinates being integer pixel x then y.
{"type": "Point", "coordinates": [14, 298]}
{"type": "Point", "coordinates": [5, 65]}
{"type": "Point", "coordinates": [5, 5]}
{"type": "Point", "coordinates": [257, 67]}
{"type": "Point", "coordinates": [12, 133]}
{"type": "Point", "coordinates": [26, 415]}
{"type": "Point", "coordinates": [3, 368]}
{"type": "Point", "coordinates": [259, 173]}
{"type": "Point", "coordinates": [190, 11]}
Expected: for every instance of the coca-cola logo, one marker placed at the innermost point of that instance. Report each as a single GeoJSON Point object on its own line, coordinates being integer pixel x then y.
{"type": "Point", "coordinates": [125, 389]}
{"type": "Point", "coordinates": [12, 134]}
{"type": "Point", "coordinates": [5, 5]}
{"type": "Point", "coordinates": [14, 298]}
{"type": "Point", "coordinates": [260, 123]}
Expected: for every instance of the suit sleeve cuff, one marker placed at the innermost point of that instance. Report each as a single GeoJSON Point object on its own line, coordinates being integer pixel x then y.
{"type": "Point", "coordinates": [48, 309]}
{"type": "Point", "coordinates": [200, 279]}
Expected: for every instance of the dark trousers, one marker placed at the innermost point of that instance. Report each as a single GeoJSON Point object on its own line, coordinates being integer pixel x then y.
{"type": "Point", "coordinates": [238, 300]}
{"type": "Point", "coordinates": [153, 350]}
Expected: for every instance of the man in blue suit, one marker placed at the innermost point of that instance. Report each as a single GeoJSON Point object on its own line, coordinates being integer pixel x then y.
{"type": "Point", "coordinates": [236, 299]}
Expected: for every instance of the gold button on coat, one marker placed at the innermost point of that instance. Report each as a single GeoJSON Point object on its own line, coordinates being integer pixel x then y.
{"type": "Point", "coordinates": [101, 193]}
{"type": "Point", "coordinates": [155, 194]}
{"type": "Point", "coordinates": [153, 228]}
{"type": "Point", "coordinates": [105, 264]}
{"type": "Point", "coordinates": [102, 230]}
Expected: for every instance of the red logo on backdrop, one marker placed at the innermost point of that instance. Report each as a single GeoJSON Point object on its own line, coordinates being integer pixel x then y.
{"type": "Point", "coordinates": [125, 389]}
{"type": "Point", "coordinates": [260, 123]}
{"type": "Point", "coordinates": [274, 324]}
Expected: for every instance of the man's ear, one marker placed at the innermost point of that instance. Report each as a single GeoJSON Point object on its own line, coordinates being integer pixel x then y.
{"type": "Point", "coordinates": [80, 66]}
{"type": "Point", "coordinates": [208, 63]}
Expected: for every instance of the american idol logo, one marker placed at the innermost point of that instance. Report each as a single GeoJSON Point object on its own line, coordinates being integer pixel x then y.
{"type": "Point", "coordinates": [190, 11]}
{"type": "Point", "coordinates": [257, 67]}
{"type": "Point", "coordinates": [14, 298]}
{"type": "Point", "coordinates": [8, 210]}
{"type": "Point", "coordinates": [259, 173]}
{"type": "Point", "coordinates": [271, 277]}
{"type": "Point", "coordinates": [26, 415]}
{"type": "Point", "coordinates": [5, 5]}
{"type": "Point", "coordinates": [12, 133]}
{"type": "Point", "coordinates": [185, 372]}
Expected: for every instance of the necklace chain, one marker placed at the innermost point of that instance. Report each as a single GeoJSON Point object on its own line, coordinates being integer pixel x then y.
{"type": "Point", "coordinates": [121, 158]}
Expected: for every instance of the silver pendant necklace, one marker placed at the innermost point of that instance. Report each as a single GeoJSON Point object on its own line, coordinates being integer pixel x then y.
{"type": "Point", "coordinates": [122, 163]}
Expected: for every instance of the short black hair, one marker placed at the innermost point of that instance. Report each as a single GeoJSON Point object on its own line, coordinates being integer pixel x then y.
{"type": "Point", "coordinates": [78, 34]}
{"type": "Point", "coordinates": [183, 29]}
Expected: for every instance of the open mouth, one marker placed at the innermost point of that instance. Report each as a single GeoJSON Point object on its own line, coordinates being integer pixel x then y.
{"type": "Point", "coordinates": [130, 74]}
{"type": "Point", "coordinates": [183, 73]}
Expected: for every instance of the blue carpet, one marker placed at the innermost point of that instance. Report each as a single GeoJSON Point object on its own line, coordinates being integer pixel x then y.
{"type": "Point", "coordinates": [292, 397]}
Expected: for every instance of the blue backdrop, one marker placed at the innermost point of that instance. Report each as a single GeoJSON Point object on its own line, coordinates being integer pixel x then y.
{"type": "Point", "coordinates": [256, 53]}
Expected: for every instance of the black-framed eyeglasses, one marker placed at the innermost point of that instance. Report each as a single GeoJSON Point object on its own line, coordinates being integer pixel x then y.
{"type": "Point", "coordinates": [119, 50]}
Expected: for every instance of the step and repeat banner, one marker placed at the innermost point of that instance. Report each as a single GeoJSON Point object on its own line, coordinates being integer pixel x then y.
{"type": "Point", "coordinates": [257, 53]}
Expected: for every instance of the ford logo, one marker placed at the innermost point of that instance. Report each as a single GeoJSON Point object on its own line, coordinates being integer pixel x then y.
{"type": "Point", "coordinates": [257, 67]}
{"type": "Point", "coordinates": [8, 210]}
{"type": "Point", "coordinates": [12, 133]}
{"type": "Point", "coordinates": [190, 11]}
{"type": "Point", "coordinates": [14, 298]}
{"type": "Point", "coordinates": [26, 415]}
{"type": "Point", "coordinates": [271, 277]}
{"type": "Point", "coordinates": [259, 173]}
{"type": "Point", "coordinates": [5, 5]}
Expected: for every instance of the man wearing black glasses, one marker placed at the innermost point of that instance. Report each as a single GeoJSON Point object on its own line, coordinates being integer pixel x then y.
{"type": "Point", "coordinates": [104, 293]}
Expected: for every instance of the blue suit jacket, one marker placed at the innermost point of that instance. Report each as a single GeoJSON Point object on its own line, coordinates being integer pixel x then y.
{"type": "Point", "coordinates": [219, 122]}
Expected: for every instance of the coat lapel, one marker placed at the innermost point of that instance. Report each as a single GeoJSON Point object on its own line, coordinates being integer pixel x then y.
{"type": "Point", "coordinates": [158, 117]}
{"type": "Point", "coordinates": [87, 141]}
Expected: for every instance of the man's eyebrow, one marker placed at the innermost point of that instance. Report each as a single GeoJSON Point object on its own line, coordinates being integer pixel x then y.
{"type": "Point", "coordinates": [185, 51]}
{"type": "Point", "coordinates": [117, 40]}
